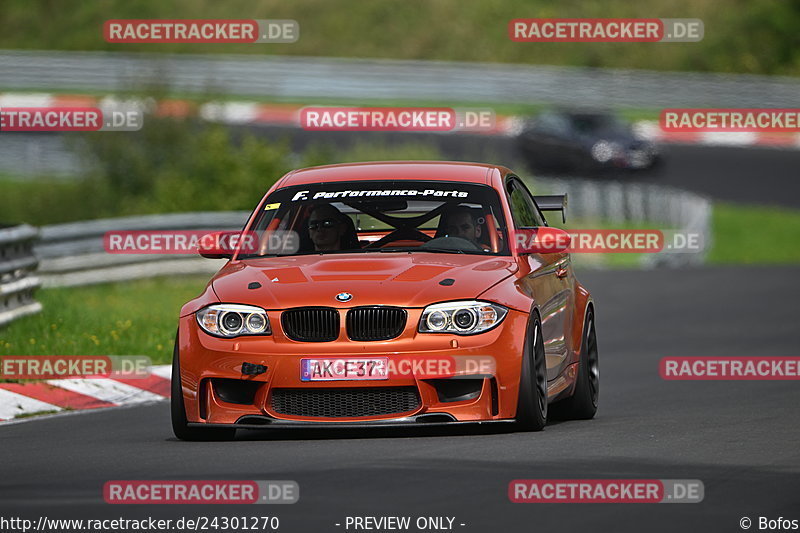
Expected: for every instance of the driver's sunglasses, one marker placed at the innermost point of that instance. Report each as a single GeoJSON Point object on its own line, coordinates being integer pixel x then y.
{"type": "Point", "coordinates": [327, 223]}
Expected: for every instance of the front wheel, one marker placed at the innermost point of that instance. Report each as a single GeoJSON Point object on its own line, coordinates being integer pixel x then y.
{"type": "Point", "coordinates": [582, 405]}
{"type": "Point", "coordinates": [532, 403]}
{"type": "Point", "coordinates": [180, 425]}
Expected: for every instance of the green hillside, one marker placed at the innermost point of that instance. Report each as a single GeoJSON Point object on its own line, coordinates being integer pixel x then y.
{"type": "Point", "coordinates": [751, 36]}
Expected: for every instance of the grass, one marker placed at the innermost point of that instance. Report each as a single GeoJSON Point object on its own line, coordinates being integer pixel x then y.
{"type": "Point", "coordinates": [134, 318]}
{"type": "Point", "coordinates": [755, 235]}
{"type": "Point", "coordinates": [42, 201]}
{"type": "Point", "coordinates": [37, 413]}
{"type": "Point", "coordinates": [744, 36]}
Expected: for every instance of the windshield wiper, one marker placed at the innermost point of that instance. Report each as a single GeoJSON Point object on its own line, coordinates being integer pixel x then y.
{"type": "Point", "coordinates": [429, 249]}
{"type": "Point", "coordinates": [366, 251]}
{"type": "Point", "coordinates": [409, 250]}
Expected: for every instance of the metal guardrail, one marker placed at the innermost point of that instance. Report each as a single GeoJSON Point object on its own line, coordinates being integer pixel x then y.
{"type": "Point", "coordinates": [315, 77]}
{"type": "Point", "coordinates": [17, 279]}
{"type": "Point", "coordinates": [36, 154]}
{"type": "Point", "coordinates": [73, 254]}
{"type": "Point", "coordinates": [618, 202]}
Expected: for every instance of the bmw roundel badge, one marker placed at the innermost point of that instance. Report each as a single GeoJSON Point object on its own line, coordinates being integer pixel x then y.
{"type": "Point", "coordinates": [344, 296]}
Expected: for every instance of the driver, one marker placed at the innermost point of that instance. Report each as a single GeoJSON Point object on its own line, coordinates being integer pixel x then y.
{"type": "Point", "coordinates": [326, 227]}
{"type": "Point", "coordinates": [460, 221]}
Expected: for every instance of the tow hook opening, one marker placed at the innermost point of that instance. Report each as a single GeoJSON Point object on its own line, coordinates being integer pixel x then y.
{"type": "Point", "coordinates": [252, 369]}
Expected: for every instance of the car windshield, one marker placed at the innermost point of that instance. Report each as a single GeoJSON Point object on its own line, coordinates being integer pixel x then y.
{"type": "Point", "coordinates": [381, 216]}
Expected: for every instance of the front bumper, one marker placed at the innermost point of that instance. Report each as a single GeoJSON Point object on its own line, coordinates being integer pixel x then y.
{"type": "Point", "coordinates": [399, 423]}
{"type": "Point", "coordinates": [211, 376]}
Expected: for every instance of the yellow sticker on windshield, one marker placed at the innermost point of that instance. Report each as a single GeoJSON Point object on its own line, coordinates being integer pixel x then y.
{"type": "Point", "coordinates": [270, 207]}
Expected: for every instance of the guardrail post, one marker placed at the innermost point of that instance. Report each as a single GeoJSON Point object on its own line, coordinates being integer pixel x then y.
{"type": "Point", "coordinates": [17, 266]}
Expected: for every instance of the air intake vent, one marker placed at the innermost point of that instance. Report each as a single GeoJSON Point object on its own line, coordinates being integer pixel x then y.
{"type": "Point", "coordinates": [376, 323]}
{"type": "Point", "coordinates": [311, 324]}
{"type": "Point", "coordinates": [342, 403]}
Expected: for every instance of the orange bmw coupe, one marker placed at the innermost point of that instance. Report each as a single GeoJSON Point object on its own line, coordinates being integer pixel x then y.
{"type": "Point", "coordinates": [389, 293]}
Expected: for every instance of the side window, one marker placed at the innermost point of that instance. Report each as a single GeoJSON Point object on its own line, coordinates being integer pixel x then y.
{"type": "Point", "coordinates": [523, 210]}
{"type": "Point", "coordinates": [537, 213]}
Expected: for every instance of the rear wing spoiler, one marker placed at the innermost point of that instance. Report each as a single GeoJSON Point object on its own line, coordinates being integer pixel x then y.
{"type": "Point", "coordinates": [554, 202]}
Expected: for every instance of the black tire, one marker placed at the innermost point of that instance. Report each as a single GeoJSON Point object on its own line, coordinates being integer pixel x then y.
{"type": "Point", "coordinates": [180, 426]}
{"type": "Point", "coordinates": [582, 405]}
{"type": "Point", "coordinates": [532, 403]}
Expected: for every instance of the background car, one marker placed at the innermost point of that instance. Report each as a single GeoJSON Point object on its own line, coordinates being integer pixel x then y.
{"type": "Point", "coordinates": [360, 277]}
{"type": "Point", "coordinates": [583, 141]}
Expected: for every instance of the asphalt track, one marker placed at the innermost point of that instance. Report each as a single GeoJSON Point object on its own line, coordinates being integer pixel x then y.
{"type": "Point", "coordinates": [739, 438]}
{"type": "Point", "coordinates": [752, 175]}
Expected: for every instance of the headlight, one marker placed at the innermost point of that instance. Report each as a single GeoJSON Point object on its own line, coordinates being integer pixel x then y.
{"type": "Point", "coordinates": [604, 151]}
{"type": "Point", "coordinates": [233, 320]}
{"type": "Point", "coordinates": [462, 318]}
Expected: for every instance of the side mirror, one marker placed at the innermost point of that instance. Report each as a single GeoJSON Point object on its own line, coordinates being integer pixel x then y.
{"type": "Point", "coordinates": [222, 244]}
{"type": "Point", "coordinates": [542, 240]}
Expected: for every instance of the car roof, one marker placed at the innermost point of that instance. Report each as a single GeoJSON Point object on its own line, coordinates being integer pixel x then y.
{"type": "Point", "coordinates": [394, 170]}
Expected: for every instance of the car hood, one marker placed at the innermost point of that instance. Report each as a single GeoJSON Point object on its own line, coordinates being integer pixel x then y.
{"type": "Point", "coordinates": [402, 279]}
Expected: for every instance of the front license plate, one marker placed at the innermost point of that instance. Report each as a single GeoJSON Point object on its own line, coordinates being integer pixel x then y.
{"type": "Point", "coordinates": [346, 369]}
